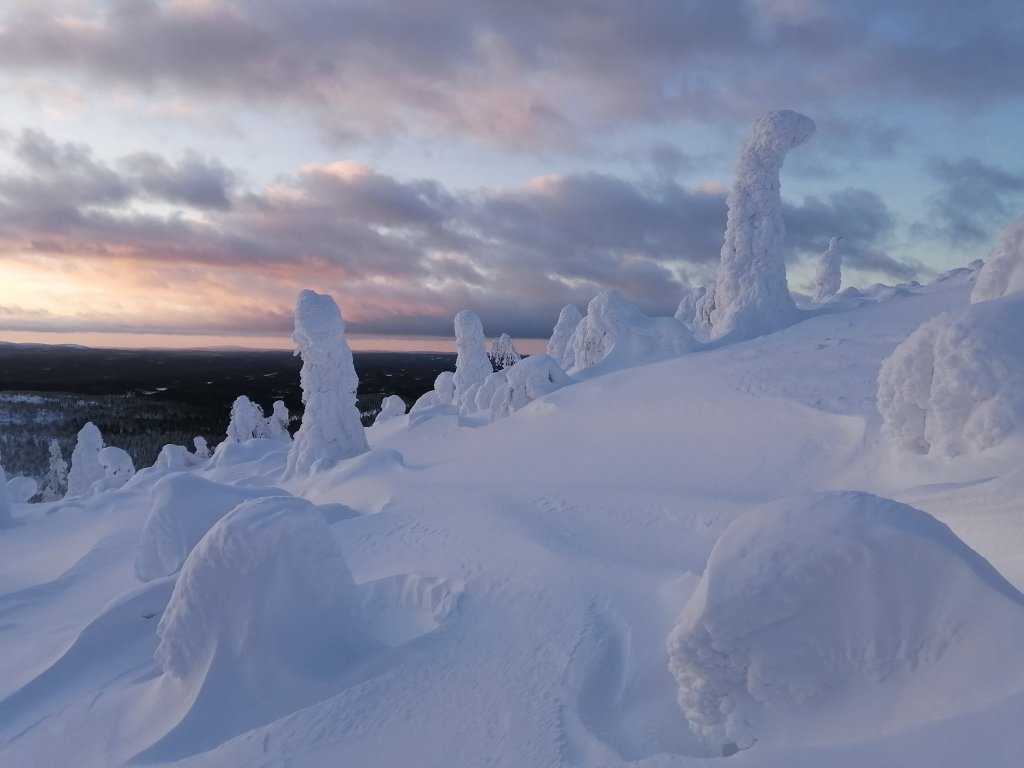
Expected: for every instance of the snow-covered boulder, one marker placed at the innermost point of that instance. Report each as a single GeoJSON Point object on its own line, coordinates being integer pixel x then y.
{"type": "Point", "coordinates": [751, 295]}
{"type": "Point", "coordinates": [392, 406]}
{"type": "Point", "coordinates": [264, 618]}
{"type": "Point", "coordinates": [534, 377]}
{"type": "Point", "coordinates": [246, 421]}
{"type": "Point", "coordinates": [21, 489]}
{"type": "Point", "coordinates": [559, 347]}
{"type": "Point", "coordinates": [956, 384]}
{"type": "Point", "coordinates": [472, 365]}
{"type": "Point", "coordinates": [616, 331]}
{"type": "Point", "coordinates": [829, 275]}
{"type": "Point", "coordinates": [331, 430]}
{"type": "Point", "coordinates": [182, 508]}
{"type": "Point", "coordinates": [86, 468]}
{"type": "Point", "coordinates": [1003, 273]}
{"type": "Point", "coordinates": [423, 402]}
{"type": "Point", "coordinates": [839, 617]}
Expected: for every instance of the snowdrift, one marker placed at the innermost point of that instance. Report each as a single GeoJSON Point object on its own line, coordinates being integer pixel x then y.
{"type": "Point", "coordinates": [840, 617]}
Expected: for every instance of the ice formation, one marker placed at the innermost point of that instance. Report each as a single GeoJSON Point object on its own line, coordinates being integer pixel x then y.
{"type": "Point", "coordinates": [331, 429]}
{"type": "Point", "coordinates": [503, 352]}
{"type": "Point", "coordinates": [1003, 272]}
{"type": "Point", "coordinates": [182, 508]}
{"type": "Point", "coordinates": [559, 347]}
{"type": "Point", "coordinates": [276, 427]}
{"type": "Point", "coordinates": [838, 617]}
{"type": "Point", "coordinates": [534, 377]}
{"type": "Point", "coordinates": [686, 312]}
{"type": "Point", "coordinates": [264, 612]}
{"type": "Point", "coordinates": [85, 461]}
{"type": "Point", "coordinates": [956, 384]}
{"type": "Point", "coordinates": [56, 479]}
{"type": "Point", "coordinates": [615, 330]}
{"type": "Point", "coordinates": [472, 365]}
{"type": "Point", "coordinates": [202, 452]}
{"type": "Point", "coordinates": [829, 276]}
{"type": "Point", "coordinates": [246, 422]}
{"type": "Point", "coordinates": [392, 406]}
{"type": "Point", "coordinates": [751, 295]}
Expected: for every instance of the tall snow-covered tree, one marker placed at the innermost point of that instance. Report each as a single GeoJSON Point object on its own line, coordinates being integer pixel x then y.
{"type": "Point", "coordinates": [331, 429]}
{"type": "Point", "coordinates": [829, 276]}
{"type": "Point", "coordinates": [472, 365]}
{"type": "Point", "coordinates": [751, 295]}
{"type": "Point", "coordinates": [85, 460]}
{"type": "Point", "coordinates": [559, 348]}
{"type": "Point", "coordinates": [503, 352]}
{"type": "Point", "coordinates": [56, 479]}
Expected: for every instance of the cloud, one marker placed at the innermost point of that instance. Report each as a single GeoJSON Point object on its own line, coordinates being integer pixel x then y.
{"type": "Point", "coordinates": [973, 199]}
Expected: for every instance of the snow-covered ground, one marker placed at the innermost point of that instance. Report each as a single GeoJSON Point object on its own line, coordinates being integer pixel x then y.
{"type": "Point", "coordinates": [468, 593]}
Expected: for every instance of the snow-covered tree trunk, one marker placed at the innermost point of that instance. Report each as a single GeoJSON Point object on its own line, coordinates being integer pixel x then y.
{"type": "Point", "coordinates": [56, 480]}
{"type": "Point", "coordinates": [559, 348]}
{"type": "Point", "coordinates": [752, 296]}
{"type": "Point", "coordinates": [503, 352]}
{"type": "Point", "coordinates": [331, 429]}
{"type": "Point", "coordinates": [830, 272]}
{"type": "Point", "coordinates": [472, 365]}
{"type": "Point", "coordinates": [85, 460]}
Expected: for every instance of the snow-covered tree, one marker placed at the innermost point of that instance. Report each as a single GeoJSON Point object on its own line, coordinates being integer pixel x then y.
{"type": "Point", "coordinates": [752, 296]}
{"type": "Point", "coordinates": [472, 365]}
{"type": "Point", "coordinates": [503, 352]}
{"type": "Point", "coordinates": [559, 348]}
{"type": "Point", "coordinates": [534, 377]}
{"type": "Point", "coordinates": [829, 276]}
{"type": "Point", "coordinates": [444, 388]}
{"type": "Point", "coordinates": [276, 425]}
{"type": "Point", "coordinates": [56, 479]}
{"type": "Point", "coordinates": [246, 422]}
{"type": "Point", "coordinates": [1003, 272]}
{"type": "Point", "coordinates": [5, 500]}
{"type": "Point", "coordinates": [392, 406]}
{"type": "Point", "coordinates": [116, 462]}
{"type": "Point", "coordinates": [85, 461]}
{"type": "Point", "coordinates": [331, 429]}
{"type": "Point", "coordinates": [202, 452]}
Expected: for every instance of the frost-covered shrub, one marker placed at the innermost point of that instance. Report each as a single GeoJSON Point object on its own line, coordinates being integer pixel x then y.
{"type": "Point", "coordinates": [392, 406]}
{"type": "Point", "coordinates": [616, 331]}
{"type": "Point", "coordinates": [829, 276]}
{"type": "Point", "coordinates": [246, 422]}
{"type": "Point", "coordinates": [276, 426]}
{"type": "Point", "coordinates": [559, 347]}
{"type": "Point", "coordinates": [503, 352]}
{"type": "Point", "coordinates": [751, 295]}
{"type": "Point", "coordinates": [85, 461]}
{"type": "Point", "coordinates": [444, 388]}
{"type": "Point", "coordinates": [1003, 273]}
{"type": "Point", "coordinates": [55, 483]}
{"type": "Point", "coordinates": [174, 458]}
{"type": "Point", "coordinates": [202, 452]}
{"type": "Point", "coordinates": [182, 508]}
{"type": "Point", "coordinates": [471, 364]}
{"type": "Point", "coordinates": [956, 384]}
{"type": "Point", "coordinates": [265, 610]}
{"type": "Point", "coordinates": [331, 429]}
{"type": "Point", "coordinates": [837, 617]}
{"type": "Point", "coordinates": [534, 377]}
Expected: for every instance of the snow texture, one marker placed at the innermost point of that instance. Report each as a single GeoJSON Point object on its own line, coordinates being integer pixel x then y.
{"type": "Point", "coordinates": [246, 422]}
{"type": "Point", "coordinates": [183, 507]}
{"type": "Point", "coordinates": [174, 458]}
{"type": "Point", "coordinates": [559, 346]}
{"type": "Point", "coordinates": [472, 365]}
{"type": "Point", "coordinates": [616, 331]}
{"type": "Point", "coordinates": [503, 352]}
{"type": "Point", "coordinates": [842, 613]}
{"type": "Point", "coordinates": [331, 430]}
{"type": "Point", "coordinates": [392, 406]}
{"type": "Point", "coordinates": [85, 461]}
{"type": "Point", "coordinates": [21, 489]}
{"type": "Point", "coordinates": [116, 463]}
{"type": "Point", "coordinates": [56, 479]}
{"type": "Point", "coordinates": [489, 389]}
{"type": "Point", "coordinates": [829, 276]}
{"type": "Point", "coordinates": [276, 427]}
{"type": "Point", "coordinates": [534, 377]}
{"type": "Point", "coordinates": [956, 384]}
{"type": "Point", "coordinates": [686, 312]}
{"type": "Point", "coordinates": [1003, 273]}
{"type": "Point", "coordinates": [751, 296]}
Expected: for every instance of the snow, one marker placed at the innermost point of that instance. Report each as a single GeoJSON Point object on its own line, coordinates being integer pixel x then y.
{"type": "Point", "coordinates": [391, 407]}
{"type": "Point", "coordinates": [116, 462]}
{"type": "Point", "coordinates": [503, 352]}
{"type": "Point", "coordinates": [246, 421]}
{"type": "Point", "coordinates": [202, 449]}
{"type": "Point", "coordinates": [751, 295]}
{"type": "Point", "coordinates": [559, 348]}
{"type": "Point", "coordinates": [536, 376]}
{"type": "Point", "coordinates": [1003, 273]}
{"type": "Point", "coordinates": [5, 500]}
{"type": "Point", "coordinates": [56, 480]}
{"type": "Point", "coordinates": [472, 365]}
{"type": "Point", "coordinates": [21, 489]}
{"type": "Point", "coordinates": [331, 430]}
{"type": "Point", "coordinates": [85, 461]}
{"type": "Point", "coordinates": [829, 276]}
{"type": "Point", "coordinates": [444, 388]}
{"type": "Point", "coordinates": [277, 422]}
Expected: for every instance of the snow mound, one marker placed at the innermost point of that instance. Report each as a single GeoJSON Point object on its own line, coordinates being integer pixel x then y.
{"type": "Point", "coordinates": [21, 489]}
{"type": "Point", "coordinates": [175, 458]}
{"type": "Point", "coordinates": [392, 406]}
{"type": "Point", "coordinates": [617, 333]}
{"type": "Point", "coordinates": [183, 507]}
{"type": "Point", "coordinates": [559, 347]}
{"type": "Point", "coordinates": [956, 384]}
{"type": "Point", "coordinates": [264, 619]}
{"type": "Point", "coordinates": [1003, 273]}
{"type": "Point", "coordinates": [839, 617]}
{"type": "Point", "coordinates": [116, 462]}
{"type": "Point", "coordinates": [403, 607]}
{"type": "Point", "coordinates": [534, 377]}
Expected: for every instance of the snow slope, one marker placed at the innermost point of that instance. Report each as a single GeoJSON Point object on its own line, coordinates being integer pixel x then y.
{"type": "Point", "coordinates": [519, 580]}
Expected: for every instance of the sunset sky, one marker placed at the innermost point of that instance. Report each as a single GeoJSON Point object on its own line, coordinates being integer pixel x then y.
{"type": "Point", "coordinates": [172, 173]}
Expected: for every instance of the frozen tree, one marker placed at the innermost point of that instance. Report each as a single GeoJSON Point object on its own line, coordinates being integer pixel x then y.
{"type": "Point", "coordinates": [686, 312]}
{"type": "Point", "coordinates": [1003, 272]}
{"type": "Point", "coordinates": [829, 276]}
{"type": "Point", "coordinates": [331, 429]}
{"type": "Point", "coordinates": [276, 426]}
{"type": "Point", "coordinates": [752, 297]}
{"type": "Point", "coordinates": [488, 389]}
{"type": "Point", "coordinates": [392, 406]}
{"type": "Point", "coordinates": [534, 377]}
{"type": "Point", "coordinates": [559, 348]}
{"type": "Point", "coordinates": [472, 365]}
{"type": "Point", "coordinates": [503, 352]}
{"type": "Point", "coordinates": [444, 388]}
{"type": "Point", "coordinates": [56, 479]}
{"type": "Point", "coordinates": [174, 458]}
{"type": "Point", "coordinates": [246, 422]}
{"type": "Point", "coordinates": [5, 500]}
{"type": "Point", "coordinates": [116, 463]}
{"type": "Point", "coordinates": [85, 461]}
{"type": "Point", "coordinates": [202, 452]}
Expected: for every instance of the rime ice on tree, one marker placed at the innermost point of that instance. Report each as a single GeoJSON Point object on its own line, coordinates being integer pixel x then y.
{"type": "Point", "coordinates": [56, 480]}
{"type": "Point", "coordinates": [246, 422]}
{"type": "Point", "coordinates": [5, 500]}
{"type": "Point", "coordinates": [503, 352]}
{"type": "Point", "coordinates": [202, 449]}
{"type": "Point", "coordinates": [830, 272]}
{"type": "Point", "coordinates": [331, 430]}
{"type": "Point", "coordinates": [1003, 272]}
{"type": "Point", "coordinates": [559, 348]}
{"type": "Point", "coordinates": [276, 426]}
{"type": "Point", "coordinates": [751, 296]}
{"type": "Point", "coordinates": [391, 407]}
{"type": "Point", "coordinates": [472, 365]}
{"type": "Point", "coordinates": [85, 461]}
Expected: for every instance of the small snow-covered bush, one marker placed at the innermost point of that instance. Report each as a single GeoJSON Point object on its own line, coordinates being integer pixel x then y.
{"type": "Point", "coordinates": [503, 352]}
{"type": "Point", "coordinates": [559, 346]}
{"type": "Point", "coordinates": [202, 452]}
{"type": "Point", "coordinates": [1003, 273]}
{"type": "Point", "coordinates": [55, 483]}
{"type": "Point", "coordinates": [838, 617]}
{"type": "Point", "coordinates": [392, 406]}
{"type": "Point", "coordinates": [534, 377]}
{"type": "Point", "coordinates": [85, 461]}
{"type": "Point", "coordinates": [246, 422]}
{"type": "Point", "coordinates": [956, 384]}
{"type": "Point", "coordinates": [276, 426]}
{"type": "Point", "coordinates": [616, 331]}
{"type": "Point", "coordinates": [174, 458]}
{"type": "Point", "coordinates": [471, 364]}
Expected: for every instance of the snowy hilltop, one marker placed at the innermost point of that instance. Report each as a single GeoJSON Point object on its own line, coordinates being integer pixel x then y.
{"type": "Point", "coordinates": [760, 533]}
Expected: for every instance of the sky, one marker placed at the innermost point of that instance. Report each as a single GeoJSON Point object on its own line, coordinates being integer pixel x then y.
{"type": "Point", "coordinates": [173, 172]}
